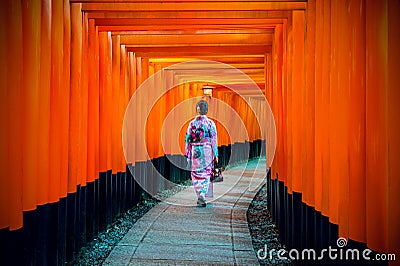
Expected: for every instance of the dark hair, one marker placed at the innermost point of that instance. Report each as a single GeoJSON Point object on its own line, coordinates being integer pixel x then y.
{"type": "Point", "coordinates": [203, 106]}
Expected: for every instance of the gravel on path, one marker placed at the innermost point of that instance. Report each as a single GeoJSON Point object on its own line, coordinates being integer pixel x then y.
{"type": "Point", "coordinates": [263, 231]}
{"type": "Point", "coordinates": [96, 251]}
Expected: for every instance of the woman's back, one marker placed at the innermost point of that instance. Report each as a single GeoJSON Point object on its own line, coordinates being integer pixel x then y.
{"type": "Point", "coordinates": [202, 129]}
{"type": "Point", "coordinates": [201, 150]}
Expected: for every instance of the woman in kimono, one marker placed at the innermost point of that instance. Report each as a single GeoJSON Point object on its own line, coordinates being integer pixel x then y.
{"type": "Point", "coordinates": [201, 150]}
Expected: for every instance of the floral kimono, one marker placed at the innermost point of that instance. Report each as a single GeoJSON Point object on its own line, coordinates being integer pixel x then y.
{"type": "Point", "coordinates": [200, 148]}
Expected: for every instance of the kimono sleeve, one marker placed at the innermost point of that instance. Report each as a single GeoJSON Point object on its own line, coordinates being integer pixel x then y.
{"type": "Point", "coordinates": [188, 145]}
{"type": "Point", "coordinates": [214, 138]}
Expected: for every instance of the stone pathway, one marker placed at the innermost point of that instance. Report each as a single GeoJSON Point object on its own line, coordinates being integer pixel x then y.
{"type": "Point", "coordinates": [189, 235]}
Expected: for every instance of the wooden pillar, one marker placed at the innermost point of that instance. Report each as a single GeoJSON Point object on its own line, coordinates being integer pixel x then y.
{"type": "Point", "coordinates": [340, 115]}
{"type": "Point", "coordinates": [297, 87]}
{"type": "Point", "coordinates": [31, 27]}
{"type": "Point", "coordinates": [56, 102]}
{"type": "Point", "coordinates": [141, 75]}
{"type": "Point", "coordinates": [138, 131]}
{"type": "Point", "coordinates": [152, 140]}
{"type": "Point", "coordinates": [74, 169]}
{"type": "Point", "coordinates": [229, 138]}
{"type": "Point", "coordinates": [181, 115]}
{"type": "Point", "coordinates": [332, 137]}
{"type": "Point", "coordinates": [124, 98]}
{"type": "Point", "coordinates": [65, 95]}
{"type": "Point", "coordinates": [83, 134]}
{"type": "Point", "coordinates": [129, 127]}
{"type": "Point", "coordinates": [145, 101]}
{"type": "Point", "coordinates": [376, 125]}
{"type": "Point", "coordinates": [308, 148]}
{"type": "Point", "coordinates": [44, 104]}
{"type": "Point", "coordinates": [170, 101]}
{"type": "Point", "coordinates": [393, 126]}
{"type": "Point", "coordinates": [14, 119]}
{"type": "Point", "coordinates": [356, 128]}
{"type": "Point", "coordinates": [96, 105]}
{"type": "Point", "coordinates": [132, 75]}
{"type": "Point", "coordinates": [161, 108]}
{"type": "Point", "coordinates": [268, 62]}
{"type": "Point", "coordinates": [381, 124]}
{"type": "Point", "coordinates": [104, 101]}
{"type": "Point", "coordinates": [288, 111]}
{"type": "Point", "coordinates": [93, 102]}
{"type": "Point", "coordinates": [115, 133]}
{"type": "Point", "coordinates": [277, 95]}
{"type": "Point", "coordinates": [4, 134]}
{"type": "Point", "coordinates": [322, 99]}
{"type": "Point", "coordinates": [308, 119]}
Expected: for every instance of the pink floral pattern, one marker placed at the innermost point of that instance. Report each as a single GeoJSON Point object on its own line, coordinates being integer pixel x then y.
{"type": "Point", "coordinates": [200, 148]}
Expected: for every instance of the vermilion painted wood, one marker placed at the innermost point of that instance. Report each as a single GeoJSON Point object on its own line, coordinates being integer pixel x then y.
{"type": "Point", "coordinates": [341, 113]}
{"type": "Point", "coordinates": [275, 99]}
{"type": "Point", "coordinates": [335, 125]}
{"type": "Point", "coordinates": [96, 104]}
{"type": "Point", "coordinates": [319, 115]}
{"type": "Point", "coordinates": [104, 105]}
{"type": "Point", "coordinates": [194, 18]}
{"type": "Point", "coordinates": [184, 6]}
{"type": "Point", "coordinates": [65, 96]}
{"type": "Point", "coordinates": [113, 111]}
{"type": "Point", "coordinates": [76, 101]}
{"type": "Point", "coordinates": [93, 102]}
{"type": "Point", "coordinates": [57, 100]}
{"type": "Point", "coordinates": [393, 125]}
{"type": "Point", "coordinates": [4, 134]}
{"type": "Point", "coordinates": [83, 135]}
{"type": "Point", "coordinates": [324, 101]}
{"type": "Point", "coordinates": [124, 99]}
{"type": "Point", "coordinates": [186, 50]}
{"type": "Point", "coordinates": [308, 130]}
{"type": "Point", "coordinates": [196, 39]}
{"type": "Point", "coordinates": [15, 117]}
{"type": "Point", "coordinates": [298, 83]}
{"type": "Point", "coordinates": [44, 104]}
{"type": "Point", "coordinates": [288, 110]}
{"type": "Point", "coordinates": [61, 113]}
{"type": "Point", "coordinates": [357, 189]}
{"type": "Point", "coordinates": [377, 179]}
{"type": "Point", "coordinates": [31, 28]}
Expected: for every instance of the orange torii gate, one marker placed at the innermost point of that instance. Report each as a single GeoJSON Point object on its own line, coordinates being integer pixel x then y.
{"type": "Point", "coordinates": [328, 69]}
